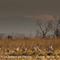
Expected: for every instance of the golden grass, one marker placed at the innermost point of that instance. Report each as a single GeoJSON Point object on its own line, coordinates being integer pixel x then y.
{"type": "Point", "coordinates": [31, 42]}
{"type": "Point", "coordinates": [43, 43]}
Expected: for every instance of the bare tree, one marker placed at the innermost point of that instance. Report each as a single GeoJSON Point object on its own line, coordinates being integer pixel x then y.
{"type": "Point", "coordinates": [50, 24]}
{"type": "Point", "coordinates": [57, 28]}
{"type": "Point", "coordinates": [45, 27]}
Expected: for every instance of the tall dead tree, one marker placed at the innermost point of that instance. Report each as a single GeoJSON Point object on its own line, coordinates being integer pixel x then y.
{"type": "Point", "coordinates": [57, 29]}
{"type": "Point", "coordinates": [45, 27]}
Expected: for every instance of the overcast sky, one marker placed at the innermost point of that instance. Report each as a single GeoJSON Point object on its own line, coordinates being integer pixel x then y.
{"type": "Point", "coordinates": [16, 15]}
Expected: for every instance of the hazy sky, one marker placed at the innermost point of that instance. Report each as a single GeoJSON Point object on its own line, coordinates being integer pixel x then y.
{"type": "Point", "coordinates": [16, 15]}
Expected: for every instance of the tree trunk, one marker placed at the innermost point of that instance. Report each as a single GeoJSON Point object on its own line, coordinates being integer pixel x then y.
{"type": "Point", "coordinates": [44, 35]}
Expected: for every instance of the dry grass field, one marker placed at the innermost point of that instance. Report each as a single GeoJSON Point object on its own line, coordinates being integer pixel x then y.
{"type": "Point", "coordinates": [12, 44]}
{"type": "Point", "coordinates": [55, 42]}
